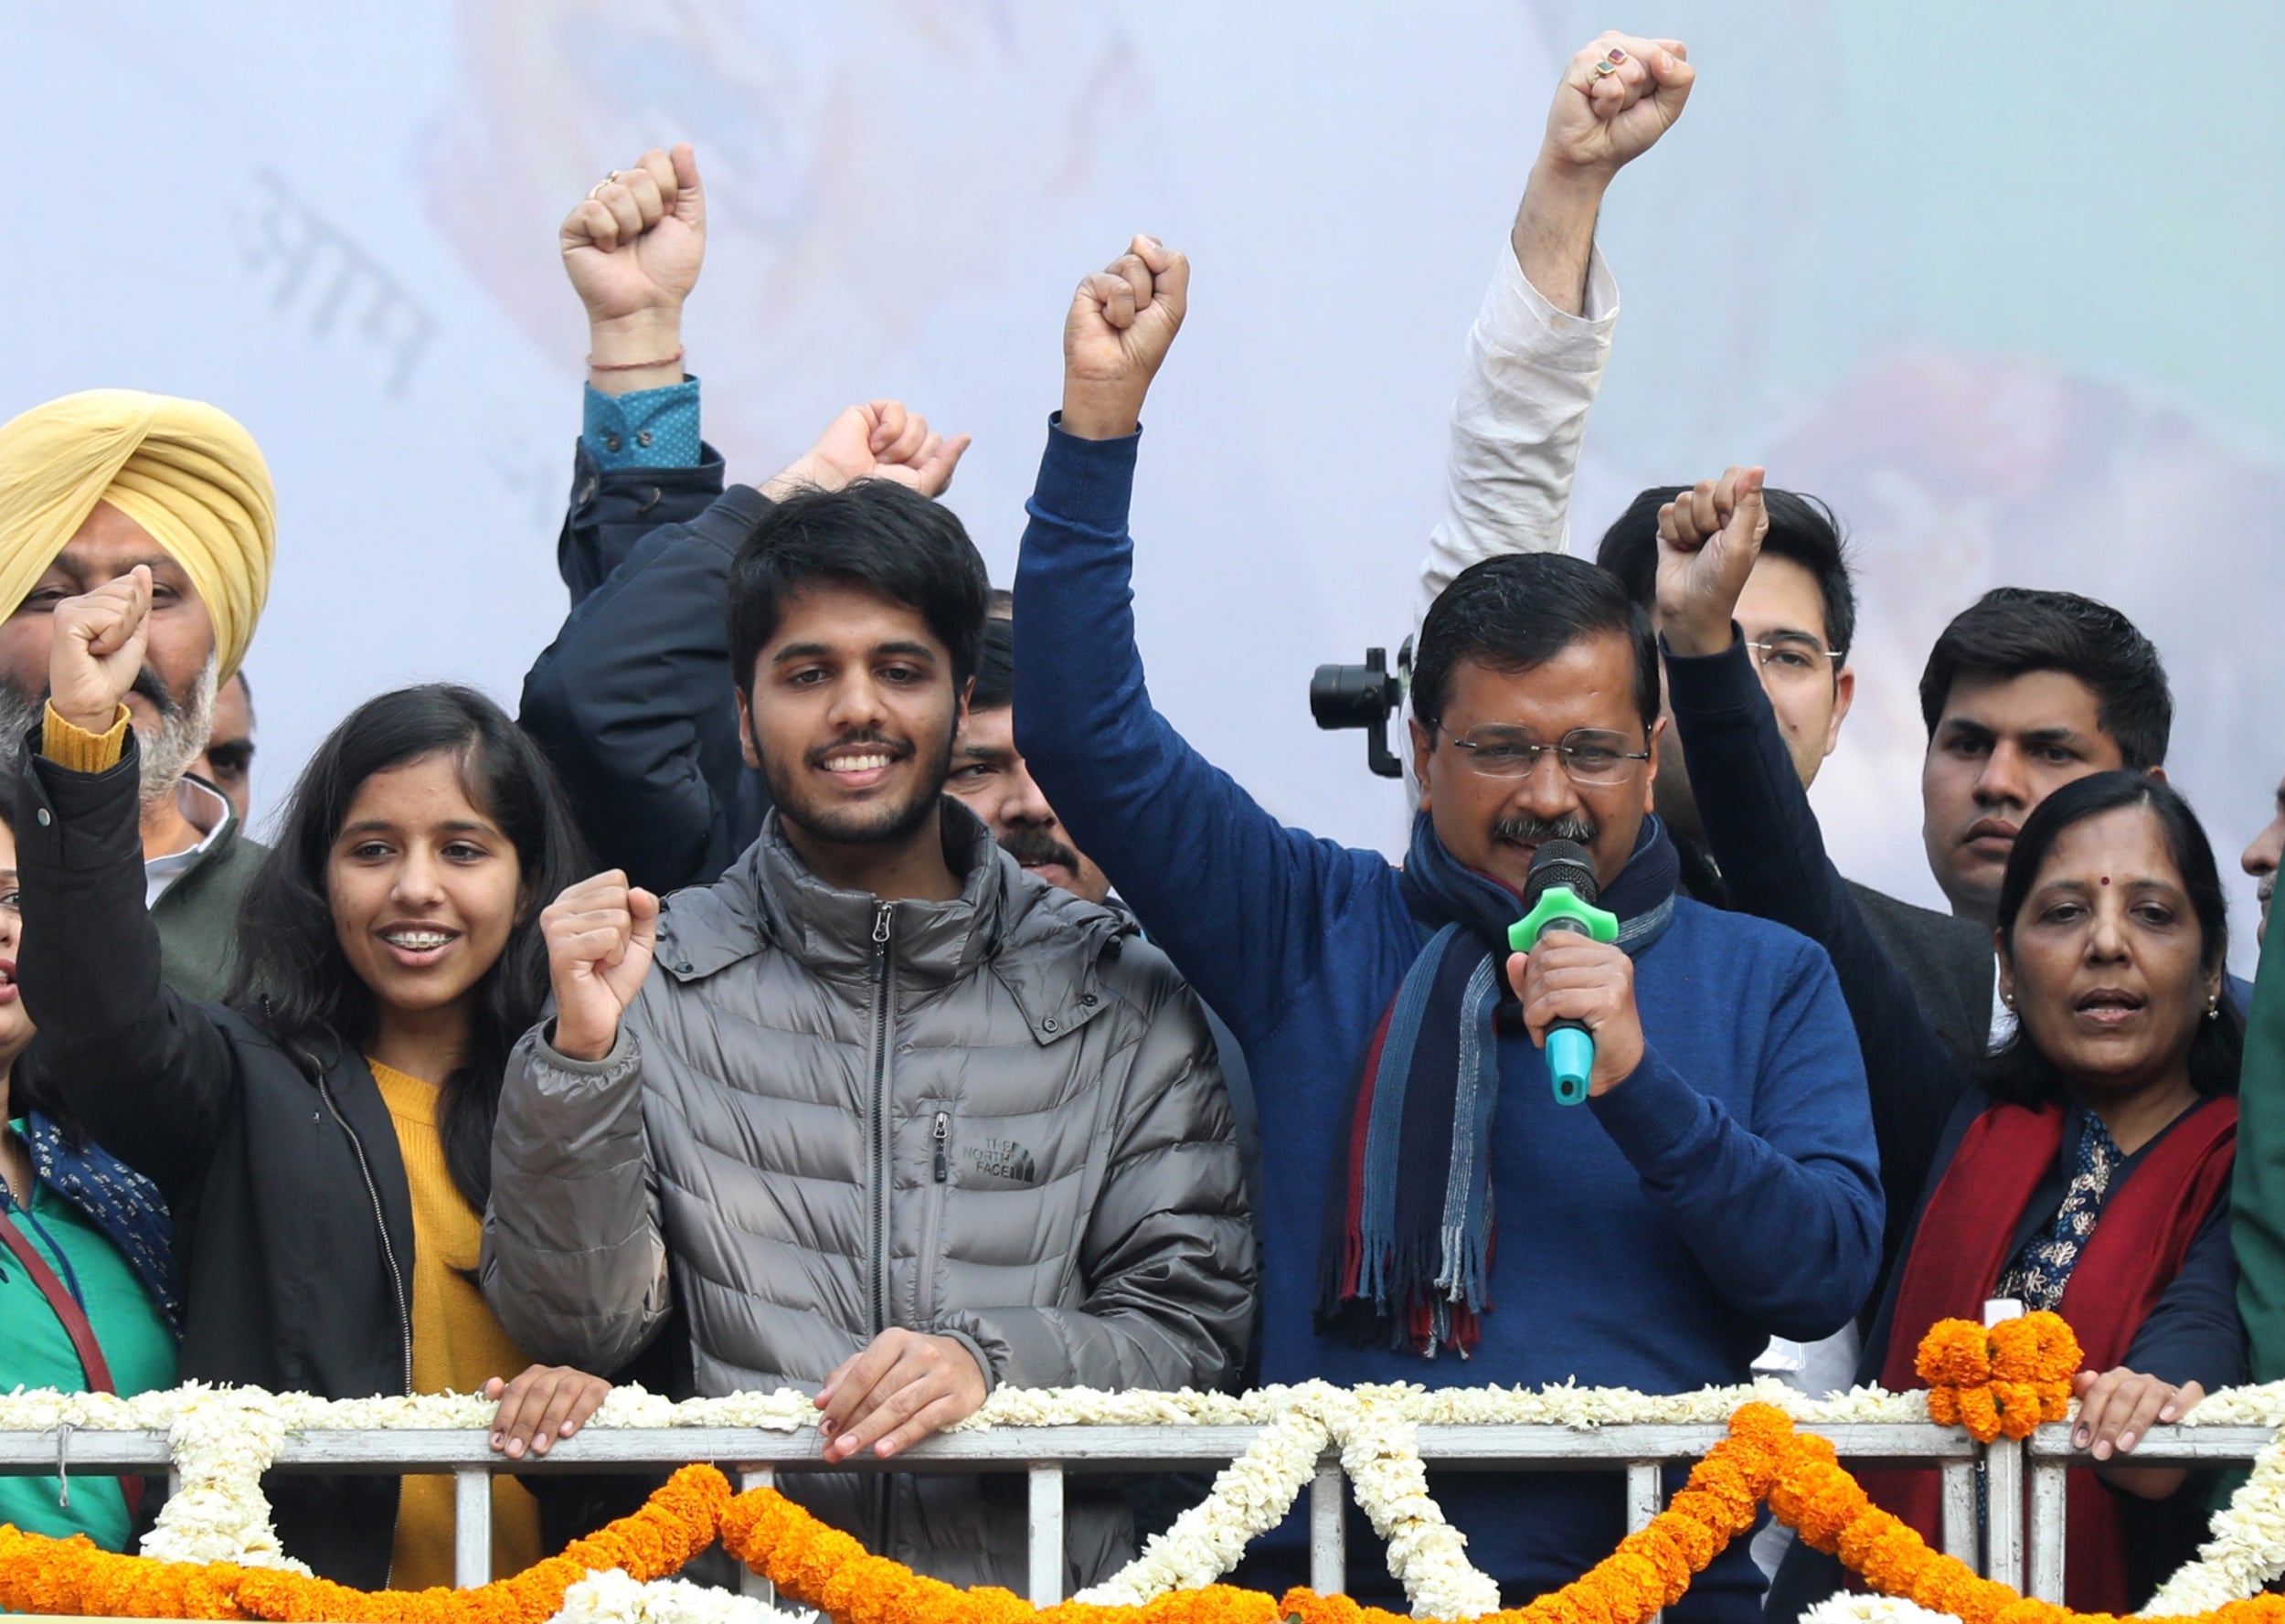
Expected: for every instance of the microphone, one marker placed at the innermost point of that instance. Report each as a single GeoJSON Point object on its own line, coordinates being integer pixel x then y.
{"type": "Point", "coordinates": [1561, 892]}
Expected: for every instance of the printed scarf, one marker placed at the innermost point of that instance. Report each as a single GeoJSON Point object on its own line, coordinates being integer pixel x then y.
{"type": "Point", "coordinates": [1406, 1257]}
{"type": "Point", "coordinates": [115, 1198]}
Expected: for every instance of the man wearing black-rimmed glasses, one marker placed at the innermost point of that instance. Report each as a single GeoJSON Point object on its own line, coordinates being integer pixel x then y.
{"type": "Point", "coordinates": [1798, 612]}
{"type": "Point", "coordinates": [1426, 1194]}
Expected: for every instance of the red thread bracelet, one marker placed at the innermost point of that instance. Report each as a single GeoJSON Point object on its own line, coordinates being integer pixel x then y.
{"type": "Point", "coordinates": [595, 366]}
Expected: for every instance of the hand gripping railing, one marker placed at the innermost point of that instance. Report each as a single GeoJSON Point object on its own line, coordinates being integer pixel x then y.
{"type": "Point", "coordinates": [1044, 1453]}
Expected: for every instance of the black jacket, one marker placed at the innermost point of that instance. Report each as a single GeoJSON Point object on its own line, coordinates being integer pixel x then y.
{"type": "Point", "coordinates": [292, 1219]}
{"type": "Point", "coordinates": [612, 509]}
{"type": "Point", "coordinates": [633, 702]}
{"type": "Point", "coordinates": [1946, 961]}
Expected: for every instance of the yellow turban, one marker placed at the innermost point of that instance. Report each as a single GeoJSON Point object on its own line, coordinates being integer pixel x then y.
{"type": "Point", "coordinates": [184, 471]}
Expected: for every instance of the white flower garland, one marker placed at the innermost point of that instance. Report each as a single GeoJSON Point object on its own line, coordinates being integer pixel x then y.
{"type": "Point", "coordinates": [2247, 1549]}
{"type": "Point", "coordinates": [223, 1440]}
{"type": "Point", "coordinates": [612, 1595]}
{"type": "Point", "coordinates": [1251, 1495]}
{"type": "Point", "coordinates": [1426, 1554]}
{"type": "Point", "coordinates": [1846, 1608]}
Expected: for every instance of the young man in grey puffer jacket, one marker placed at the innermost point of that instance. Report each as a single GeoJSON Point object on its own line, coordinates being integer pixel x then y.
{"type": "Point", "coordinates": [894, 1120]}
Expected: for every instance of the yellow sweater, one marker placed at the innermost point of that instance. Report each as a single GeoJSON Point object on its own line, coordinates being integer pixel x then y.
{"type": "Point", "coordinates": [457, 1346]}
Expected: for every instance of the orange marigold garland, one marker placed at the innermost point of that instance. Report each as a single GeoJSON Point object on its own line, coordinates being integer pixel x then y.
{"type": "Point", "coordinates": [38, 1575]}
{"type": "Point", "coordinates": [822, 1568]}
{"type": "Point", "coordinates": [2019, 1369]}
{"type": "Point", "coordinates": [2007, 1379]}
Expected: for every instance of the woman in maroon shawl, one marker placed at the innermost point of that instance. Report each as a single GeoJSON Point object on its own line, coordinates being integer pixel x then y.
{"type": "Point", "coordinates": [2087, 1171]}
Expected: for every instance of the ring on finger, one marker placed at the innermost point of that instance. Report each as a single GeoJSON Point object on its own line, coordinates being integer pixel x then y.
{"type": "Point", "coordinates": [1604, 67]}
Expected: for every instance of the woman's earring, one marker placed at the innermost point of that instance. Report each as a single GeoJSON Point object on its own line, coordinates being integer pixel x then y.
{"type": "Point", "coordinates": [2214, 1008]}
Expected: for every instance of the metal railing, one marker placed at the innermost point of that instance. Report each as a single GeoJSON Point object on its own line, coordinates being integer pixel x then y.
{"type": "Point", "coordinates": [2053, 1459]}
{"type": "Point", "coordinates": [1045, 1454]}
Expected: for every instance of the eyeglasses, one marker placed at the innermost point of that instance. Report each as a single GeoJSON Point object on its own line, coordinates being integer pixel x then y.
{"type": "Point", "coordinates": [1792, 660]}
{"type": "Point", "coordinates": [1590, 755]}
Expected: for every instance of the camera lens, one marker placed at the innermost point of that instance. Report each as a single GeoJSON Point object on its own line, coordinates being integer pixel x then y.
{"type": "Point", "coordinates": [1348, 695]}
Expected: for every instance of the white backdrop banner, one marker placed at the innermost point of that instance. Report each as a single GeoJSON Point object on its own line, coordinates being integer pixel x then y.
{"type": "Point", "coordinates": [2006, 293]}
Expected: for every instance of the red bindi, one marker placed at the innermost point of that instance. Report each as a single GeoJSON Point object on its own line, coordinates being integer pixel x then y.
{"type": "Point", "coordinates": [2106, 879]}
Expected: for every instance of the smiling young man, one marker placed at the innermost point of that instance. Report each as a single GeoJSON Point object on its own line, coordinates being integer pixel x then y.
{"type": "Point", "coordinates": [891, 1119]}
{"type": "Point", "coordinates": [92, 485]}
{"type": "Point", "coordinates": [1716, 1188]}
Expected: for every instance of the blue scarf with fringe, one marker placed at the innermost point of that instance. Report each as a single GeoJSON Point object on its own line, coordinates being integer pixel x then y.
{"type": "Point", "coordinates": [1406, 1257]}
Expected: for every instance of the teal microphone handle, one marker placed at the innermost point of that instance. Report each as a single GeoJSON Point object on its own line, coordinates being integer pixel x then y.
{"type": "Point", "coordinates": [1570, 1047]}
{"type": "Point", "coordinates": [1570, 1061]}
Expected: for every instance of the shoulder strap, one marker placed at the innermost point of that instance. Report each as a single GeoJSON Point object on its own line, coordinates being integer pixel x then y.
{"type": "Point", "coordinates": [92, 1364]}
{"type": "Point", "coordinates": [75, 1322]}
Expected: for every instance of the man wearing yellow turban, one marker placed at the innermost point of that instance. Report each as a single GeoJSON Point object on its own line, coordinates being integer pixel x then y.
{"type": "Point", "coordinates": [90, 486]}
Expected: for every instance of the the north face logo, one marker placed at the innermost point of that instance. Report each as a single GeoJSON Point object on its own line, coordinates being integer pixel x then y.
{"type": "Point", "coordinates": [1004, 1159]}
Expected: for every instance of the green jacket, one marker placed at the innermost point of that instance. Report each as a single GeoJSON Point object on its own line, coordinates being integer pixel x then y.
{"type": "Point", "coordinates": [197, 914]}
{"type": "Point", "coordinates": [2256, 1198]}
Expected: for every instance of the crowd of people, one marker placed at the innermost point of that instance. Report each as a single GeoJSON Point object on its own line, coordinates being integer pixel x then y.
{"type": "Point", "coordinates": [839, 975]}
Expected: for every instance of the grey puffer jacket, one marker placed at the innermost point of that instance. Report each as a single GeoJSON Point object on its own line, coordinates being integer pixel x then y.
{"type": "Point", "coordinates": [997, 1118]}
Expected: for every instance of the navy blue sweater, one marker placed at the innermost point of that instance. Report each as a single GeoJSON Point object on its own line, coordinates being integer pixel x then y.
{"type": "Point", "coordinates": [1725, 1193]}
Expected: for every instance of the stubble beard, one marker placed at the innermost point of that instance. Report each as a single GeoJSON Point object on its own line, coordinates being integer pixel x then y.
{"type": "Point", "coordinates": [870, 825]}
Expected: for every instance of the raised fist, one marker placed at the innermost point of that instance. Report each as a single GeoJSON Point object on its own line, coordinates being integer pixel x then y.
{"type": "Point", "coordinates": [98, 649]}
{"type": "Point", "coordinates": [880, 440]}
{"type": "Point", "coordinates": [1617, 98]}
{"type": "Point", "coordinates": [1121, 321]}
{"type": "Point", "coordinates": [1708, 539]}
{"type": "Point", "coordinates": [600, 934]}
{"type": "Point", "coordinates": [632, 248]}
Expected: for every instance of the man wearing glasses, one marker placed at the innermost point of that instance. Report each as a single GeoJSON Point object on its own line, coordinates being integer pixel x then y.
{"type": "Point", "coordinates": [1798, 612]}
{"type": "Point", "coordinates": [1432, 1212]}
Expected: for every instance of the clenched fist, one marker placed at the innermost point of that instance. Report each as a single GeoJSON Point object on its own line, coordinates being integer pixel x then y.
{"type": "Point", "coordinates": [1121, 321]}
{"type": "Point", "coordinates": [633, 248]}
{"type": "Point", "coordinates": [1708, 539]}
{"type": "Point", "coordinates": [1617, 98]}
{"type": "Point", "coordinates": [99, 639]}
{"type": "Point", "coordinates": [880, 440]}
{"type": "Point", "coordinates": [600, 934]}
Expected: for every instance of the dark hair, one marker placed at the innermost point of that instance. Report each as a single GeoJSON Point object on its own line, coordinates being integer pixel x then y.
{"type": "Point", "coordinates": [1521, 609]}
{"type": "Point", "coordinates": [2013, 630]}
{"type": "Point", "coordinates": [875, 534]}
{"type": "Point", "coordinates": [1000, 604]}
{"type": "Point", "coordinates": [995, 667]}
{"type": "Point", "coordinates": [2019, 1073]}
{"type": "Point", "coordinates": [1802, 528]}
{"type": "Point", "coordinates": [291, 972]}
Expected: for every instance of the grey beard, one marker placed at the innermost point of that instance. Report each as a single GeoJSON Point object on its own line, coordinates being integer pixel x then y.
{"type": "Point", "coordinates": [184, 726]}
{"type": "Point", "coordinates": [183, 729]}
